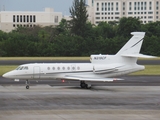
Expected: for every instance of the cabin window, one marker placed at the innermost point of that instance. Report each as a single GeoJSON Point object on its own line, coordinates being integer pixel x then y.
{"type": "Point", "coordinates": [78, 68]}
{"type": "Point", "coordinates": [21, 68]}
{"type": "Point", "coordinates": [48, 68]}
{"type": "Point", "coordinates": [63, 68]}
{"type": "Point", "coordinates": [68, 68]}
{"type": "Point", "coordinates": [17, 68]}
{"type": "Point", "coordinates": [58, 68]}
{"type": "Point", "coordinates": [53, 68]}
{"type": "Point", "coordinates": [73, 68]}
{"type": "Point", "coordinates": [25, 68]}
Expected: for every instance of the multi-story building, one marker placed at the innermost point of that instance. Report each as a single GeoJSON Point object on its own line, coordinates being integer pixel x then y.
{"type": "Point", "coordinates": [9, 20]}
{"type": "Point", "coordinates": [112, 10]}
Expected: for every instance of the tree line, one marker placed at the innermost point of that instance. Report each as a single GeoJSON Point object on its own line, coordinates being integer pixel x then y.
{"type": "Point", "coordinates": [78, 37]}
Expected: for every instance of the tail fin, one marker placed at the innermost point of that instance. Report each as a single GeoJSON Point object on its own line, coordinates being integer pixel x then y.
{"type": "Point", "coordinates": [133, 46]}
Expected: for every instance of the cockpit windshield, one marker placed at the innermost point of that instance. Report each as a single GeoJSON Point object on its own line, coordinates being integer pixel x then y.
{"type": "Point", "coordinates": [22, 68]}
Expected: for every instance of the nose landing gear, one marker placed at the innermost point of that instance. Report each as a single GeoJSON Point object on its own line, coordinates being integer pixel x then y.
{"type": "Point", "coordinates": [27, 84]}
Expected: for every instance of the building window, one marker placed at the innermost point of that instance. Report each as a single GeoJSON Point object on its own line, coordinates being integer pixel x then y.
{"type": "Point", "coordinates": [157, 4]}
{"type": "Point", "coordinates": [56, 19]}
{"type": "Point", "coordinates": [157, 13]}
{"type": "Point", "coordinates": [108, 6]}
{"type": "Point", "coordinates": [150, 17]}
{"type": "Point", "coordinates": [34, 18]}
{"type": "Point", "coordinates": [30, 18]}
{"type": "Point", "coordinates": [14, 19]}
{"type": "Point", "coordinates": [150, 5]}
{"type": "Point", "coordinates": [20, 18]}
{"type": "Point", "coordinates": [116, 13]}
{"type": "Point", "coordinates": [130, 5]}
{"type": "Point", "coordinates": [27, 18]}
{"type": "Point", "coordinates": [112, 6]}
{"type": "Point", "coordinates": [97, 13]}
{"type": "Point", "coordinates": [130, 13]}
{"type": "Point", "coordinates": [105, 6]}
{"type": "Point", "coordinates": [17, 18]}
{"type": "Point", "coordinates": [97, 6]}
{"type": "Point", "coordinates": [13, 25]}
{"type": "Point", "coordinates": [24, 18]}
{"type": "Point", "coordinates": [116, 17]}
{"type": "Point", "coordinates": [156, 17]}
{"type": "Point", "coordinates": [102, 6]}
{"type": "Point", "coordinates": [150, 12]}
{"type": "Point", "coordinates": [97, 17]}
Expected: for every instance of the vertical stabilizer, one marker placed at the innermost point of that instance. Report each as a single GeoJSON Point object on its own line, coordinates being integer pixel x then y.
{"type": "Point", "coordinates": [133, 46]}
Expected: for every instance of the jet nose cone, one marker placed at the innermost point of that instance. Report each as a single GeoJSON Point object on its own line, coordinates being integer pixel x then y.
{"type": "Point", "coordinates": [4, 75]}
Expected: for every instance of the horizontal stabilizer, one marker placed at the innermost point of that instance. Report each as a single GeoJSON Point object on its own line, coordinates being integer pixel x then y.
{"type": "Point", "coordinates": [92, 79]}
{"type": "Point", "coordinates": [138, 55]}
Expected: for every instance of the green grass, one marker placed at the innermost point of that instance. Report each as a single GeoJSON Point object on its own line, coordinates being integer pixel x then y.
{"type": "Point", "coordinates": [6, 68]}
{"type": "Point", "coordinates": [149, 70]}
{"type": "Point", "coordinates": [44, 58]}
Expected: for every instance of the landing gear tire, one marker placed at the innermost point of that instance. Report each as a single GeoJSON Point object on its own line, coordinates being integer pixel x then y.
{"type": "Point", "coordinates": [84, 85]}
{"type": "Point", "coordinates": [27, 86]}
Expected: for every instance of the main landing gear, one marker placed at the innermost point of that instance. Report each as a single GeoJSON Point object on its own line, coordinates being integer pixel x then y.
{"type": "Point", "coordinates": [84, 85]}
{"type": "Point", "coordinates": [27, 84]}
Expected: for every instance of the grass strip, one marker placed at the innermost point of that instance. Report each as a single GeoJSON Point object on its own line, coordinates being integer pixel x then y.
{"type": "Point", "coordinates": [44, 58]}
{"type": "Point", "coordinates": [149, 70]}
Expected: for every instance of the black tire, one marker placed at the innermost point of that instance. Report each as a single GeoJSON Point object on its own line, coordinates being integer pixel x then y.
{"type": "Point", "coordinates": [27, 86]}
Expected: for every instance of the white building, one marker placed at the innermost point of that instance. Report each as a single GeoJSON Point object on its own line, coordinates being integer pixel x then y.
{"type": "Point", "coordinates": [113, 10]}
{"type": "Point", "coordinates": [9, 20]}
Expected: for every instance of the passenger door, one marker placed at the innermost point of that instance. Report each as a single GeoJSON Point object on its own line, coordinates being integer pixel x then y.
{"type": "Point", "coordinates": [36, 72]}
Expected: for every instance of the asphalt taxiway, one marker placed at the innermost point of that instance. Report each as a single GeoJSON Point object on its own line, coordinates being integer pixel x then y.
{"type": "Point", "coordinates": [72, 103]}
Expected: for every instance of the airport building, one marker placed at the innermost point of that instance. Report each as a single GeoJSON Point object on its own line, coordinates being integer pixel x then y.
{"type": "Point", "coordinates": [112, 10]}
{"type": "Point", "coordinates": [10, 20]}
{"type": "Point", "coordinates": [98, 10]}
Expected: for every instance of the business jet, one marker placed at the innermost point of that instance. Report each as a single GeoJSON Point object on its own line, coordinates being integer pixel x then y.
{"type": "Point", "coordinates": [102, 68]}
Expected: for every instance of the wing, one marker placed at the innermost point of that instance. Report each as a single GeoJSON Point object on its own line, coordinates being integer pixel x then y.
{"type": "Point", "coordinates": [91, 79]}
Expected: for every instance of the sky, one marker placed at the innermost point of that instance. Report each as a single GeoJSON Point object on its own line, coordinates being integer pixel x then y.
{"type": "Point", "coordinates": [36, 5]}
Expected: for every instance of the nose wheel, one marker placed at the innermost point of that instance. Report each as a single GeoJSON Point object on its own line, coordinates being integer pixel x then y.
{"type": "Point", "coordinates": [27, 84]}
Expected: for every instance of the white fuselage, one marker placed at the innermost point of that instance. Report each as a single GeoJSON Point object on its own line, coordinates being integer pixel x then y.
{"type": "Point", "coordinates": [61, 70]}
